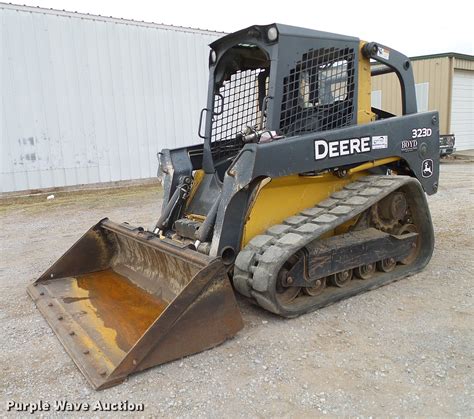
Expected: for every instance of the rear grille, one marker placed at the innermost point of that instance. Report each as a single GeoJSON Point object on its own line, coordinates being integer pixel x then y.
{"type": "Point", "coordinates": [318, 94]}
{"type": "Point", "coordinates": [236, 107]}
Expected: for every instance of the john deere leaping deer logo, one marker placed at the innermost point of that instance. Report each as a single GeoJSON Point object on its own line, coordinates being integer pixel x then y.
{"type": "Point", "coordinates": [427, 168]}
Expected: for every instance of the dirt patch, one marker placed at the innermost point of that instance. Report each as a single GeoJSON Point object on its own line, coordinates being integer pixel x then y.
{"type": "Point", "coordinates": [404, 349]}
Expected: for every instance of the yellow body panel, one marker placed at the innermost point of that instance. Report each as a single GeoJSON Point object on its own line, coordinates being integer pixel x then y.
{"type": "Point", "coordinates": [364, 103]}
{"type": "Point", "coordinates": [371, 164]}
{"type": "Point", "coordinates": [197, 179]}
{"type": "Point", "coordinates": [198, 176]}
{"type": "Point", "coordinates": [283, 197]}
{"type": "Point", "coordinates": [286, 196]}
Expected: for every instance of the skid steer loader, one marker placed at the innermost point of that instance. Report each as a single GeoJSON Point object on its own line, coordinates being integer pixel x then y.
{"type": "Point", "coordinates": [301, 194]}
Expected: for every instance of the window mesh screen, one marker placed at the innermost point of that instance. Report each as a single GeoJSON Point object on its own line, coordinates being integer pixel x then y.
{"type": "Point", "coordinates": [318, 94]}
{"type": "Point", "coordinates": [235, 107]}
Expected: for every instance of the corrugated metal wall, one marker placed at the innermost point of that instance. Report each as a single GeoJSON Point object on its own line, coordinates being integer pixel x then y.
{"type": "Point", "coordinates": [434, 78]}
{"type": "Point", "coordinates": [461, 64]}
{"type": "Point", "coordinates": [89, 99]}
{"type": "Point", "coordinates": [434, 71]}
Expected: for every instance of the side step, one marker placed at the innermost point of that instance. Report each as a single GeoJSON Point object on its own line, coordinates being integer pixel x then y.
{"type": "Point", "coordinates": [121, 300]}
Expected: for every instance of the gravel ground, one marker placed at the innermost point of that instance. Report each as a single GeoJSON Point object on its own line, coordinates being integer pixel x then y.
{"type": "Point", "coordinates": [404, 349]}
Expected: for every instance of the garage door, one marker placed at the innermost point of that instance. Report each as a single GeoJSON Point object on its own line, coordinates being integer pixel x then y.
{"type": "Point", "coordinates": [462, 109]}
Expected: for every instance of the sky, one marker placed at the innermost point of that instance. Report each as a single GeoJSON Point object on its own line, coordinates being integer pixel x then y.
{"type": "Point", "coordinates": [416, 27]}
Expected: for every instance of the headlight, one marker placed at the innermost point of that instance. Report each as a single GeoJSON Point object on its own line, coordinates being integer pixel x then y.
{"type": "Point", "coordinates": [213, 56]}
{"type": "Point", "coordinates": [272, 34]}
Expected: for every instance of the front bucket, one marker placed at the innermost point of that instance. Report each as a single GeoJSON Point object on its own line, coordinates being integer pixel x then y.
{"type": "Point", "coordinates": [121, 300]}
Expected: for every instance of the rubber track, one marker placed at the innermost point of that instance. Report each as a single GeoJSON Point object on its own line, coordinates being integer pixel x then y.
{"type": "Point", "coordinates": [258, 263]}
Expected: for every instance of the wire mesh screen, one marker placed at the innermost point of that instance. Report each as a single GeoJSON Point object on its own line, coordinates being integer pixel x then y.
{"type": "Point", "coordinates": [235, 107]}
{"type": "Point", "coordinates": [318, 94]}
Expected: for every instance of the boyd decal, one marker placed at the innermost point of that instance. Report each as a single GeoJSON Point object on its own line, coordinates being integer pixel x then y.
{"type": "Point", "coordinates": [323, 149]}
{"type": "Point", "coordinates": [409, 145]}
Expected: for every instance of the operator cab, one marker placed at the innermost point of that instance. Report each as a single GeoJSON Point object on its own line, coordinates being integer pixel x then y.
{"type": "Point", "coordinates": [274, 81]}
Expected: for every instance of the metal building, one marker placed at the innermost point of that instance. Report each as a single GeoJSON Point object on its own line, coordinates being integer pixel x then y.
{"type": "Point", "coordinates": [89, 99]}
{"type": "Point", "coordinates": [444, 82]}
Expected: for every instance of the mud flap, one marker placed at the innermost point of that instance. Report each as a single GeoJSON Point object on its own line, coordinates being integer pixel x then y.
{"type": "Point", "coordinates": [122, 300]}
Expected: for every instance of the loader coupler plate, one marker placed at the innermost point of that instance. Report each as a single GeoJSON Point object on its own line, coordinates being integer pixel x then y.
{"type": "Point", "coordinates": [136, 302]}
